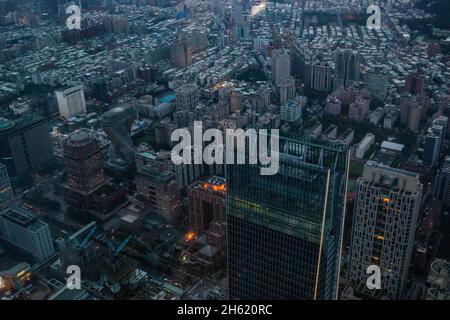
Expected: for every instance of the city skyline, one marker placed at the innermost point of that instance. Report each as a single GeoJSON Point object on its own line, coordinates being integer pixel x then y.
{"type": "Point", "coordinates": [240, 150]}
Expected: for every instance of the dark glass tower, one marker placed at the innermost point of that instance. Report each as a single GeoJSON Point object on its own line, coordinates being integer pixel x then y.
{"type": "Point", "coordinates": [285, 230]}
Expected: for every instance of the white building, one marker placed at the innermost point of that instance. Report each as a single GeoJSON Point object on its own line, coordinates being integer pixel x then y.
{"type": "Point", "coordinates": [27, 232]}
{"type": "Point", "coordinates": [281, 66]}
{"type": "Point", "coordinates": [71, 102]}
{"type": "Point", "coordinates": [365, 144]}
{"type": "Point", "coordinates": [292, 110]}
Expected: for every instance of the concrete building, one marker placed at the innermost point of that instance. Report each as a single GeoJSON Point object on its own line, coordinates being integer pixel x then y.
{"type": "Point", "coordinates": [26, 232]}
{"type": "Point", "coordinates": [160, 189]}
{"type": "Point", "coordinates": [292, 110]}
{"type": "Point", "coordinates": [359, 110]}
{"type": "Point", "coordinates": [207, 209]}
{"type": "Point", "coordinates": [365, 144]}
{"type": "Point", "coordinates": [187, 97]}
{"type": "Point", "coordinates": [376, 115]}
{"type": "Point", "coordinates": [321, 76]}
{"type": "Point", "coordinates": [347, 66]}
{"type": "Point", "coordinates": [71, 102]}
{"type": "Point", "coordinates": [333, 105]}
{"type": "Point", "coordinates": [286, 90]}
{"type": "Point", "coordinates": [384, 223]}
{"type": "Point", "coordinates": [281, 66]}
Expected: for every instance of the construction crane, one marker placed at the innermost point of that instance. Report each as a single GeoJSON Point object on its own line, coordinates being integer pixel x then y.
{"type": "Point", "coordinates": [80, 242]}
{"type": "Point", "coordinates": [117, 248]}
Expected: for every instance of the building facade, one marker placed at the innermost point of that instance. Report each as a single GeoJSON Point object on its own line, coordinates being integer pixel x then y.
{"type": "Point", "coordinates": [71, 102]}
{"type": "Point", "coordinates": [27, 232]}
{"type": "Point", "coordinates": [25, 144]}
{"type": "Point", "coordinates": [384, 224]}
{"type": "Point", "coordinates": [83, 161]}
{"type": "Point", "coordinates": [285, 230]}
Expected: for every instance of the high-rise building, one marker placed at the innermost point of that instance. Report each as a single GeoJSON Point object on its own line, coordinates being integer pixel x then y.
{"type": "Point", "coordinates": [347, 66]}
{"type": "Point", "coordinates": [25, 231]}
{"type": "Point", "coordinates": [187, 97]}
{"type": "Point", "coordinates": [292, 110]}
{"type": "Point", "coordinates": [281, 66]}
{"type": "Point", "coordinates": [415, 83]}
{"type": "Point", "coordinates": [285, 230]}
{"type": "Point", "coordinates": [442, 185]}
{"type": "Point", "coordinates": [321, 73]}
{"type": "Point", "coordinates": [181, 54]}
{"type": "Point", "coordinates": [359, 110]}
{"type": "Point", "coordinates": [83, 161]}
{"type": "Point", "coordinates": [333, 105]}
{"type": "Point", "coordinates": [6, 192]}
{"type": "Point", "coordinates": [206, 204]}
{"type": "Point", "coordinates": [384, 223]}
{"type": "Point", "coordinates": [117, 124]}
{"type": "Point", "coordinates": [413, 116]}
{"type": "Point", "coordinates": [160, 189]}
{"type": "Point", "coordinates": [71, 102]}
{"type": "Point", "coordinates": [434, 141]}
{"type": "Point", "coordinates": [287, 90]}
{"type": "Point", "coordinates": [25, 144]}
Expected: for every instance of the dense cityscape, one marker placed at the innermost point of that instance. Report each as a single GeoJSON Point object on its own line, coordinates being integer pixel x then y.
{"type": "Point", "coordinates": [224, 150]}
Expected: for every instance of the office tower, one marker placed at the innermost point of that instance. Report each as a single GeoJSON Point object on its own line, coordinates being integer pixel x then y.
{"type": "Point", "coordinates": [415, 83]}
{"type": "Point", "coordinates": [384, 223]}
{"type": "Point", "coordinates": [442, 121]}
{"type": "Point", "coordinates": [160, 189]}
{"type": "Point", "coordinates": [292, 110]}
{"type": "Point", "coordinates": [281, 66]}
{"type": "Point", "coordinates": [25, 231]}
{"type": "Point", "coordinates": [117, 125]}
{"type": "Point", "coordinates": [431, 145]}
{"type": "Point", "coordinates": [434, 141]}
{"type": "Point", "coordinates": [285, 230]}
{"type": "Point", "coordinates": [6, 192]}
{"type": "Point", "coordinates": [25, 144]}
{"type": "Point", "coordinates": [321, 76]}
{"type": "Point", "coordinates": [376, 83]}
{"type": "Point", "coordinates": [71, 102]}
{"type": "Point", "coordinates": [347, 64]}
{"type": "Point", "coordinates": [286, 90]}
{"type": "Point", "coordinates": [413, 112]}
{"type": "Point", "coordinates": [83, 161]}
{"type": "Point", "coordinates": [206, 204]}
{"type": "Point", "coordinates": [442, 184]}
{"type": "Point", "coordinates": [359, 110]}
{"type": "Point", "coordinates": [187, 97]}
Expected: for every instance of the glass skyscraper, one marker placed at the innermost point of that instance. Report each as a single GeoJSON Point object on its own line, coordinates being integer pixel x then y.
{"type": "Point", "coordinates": [285, 230]}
